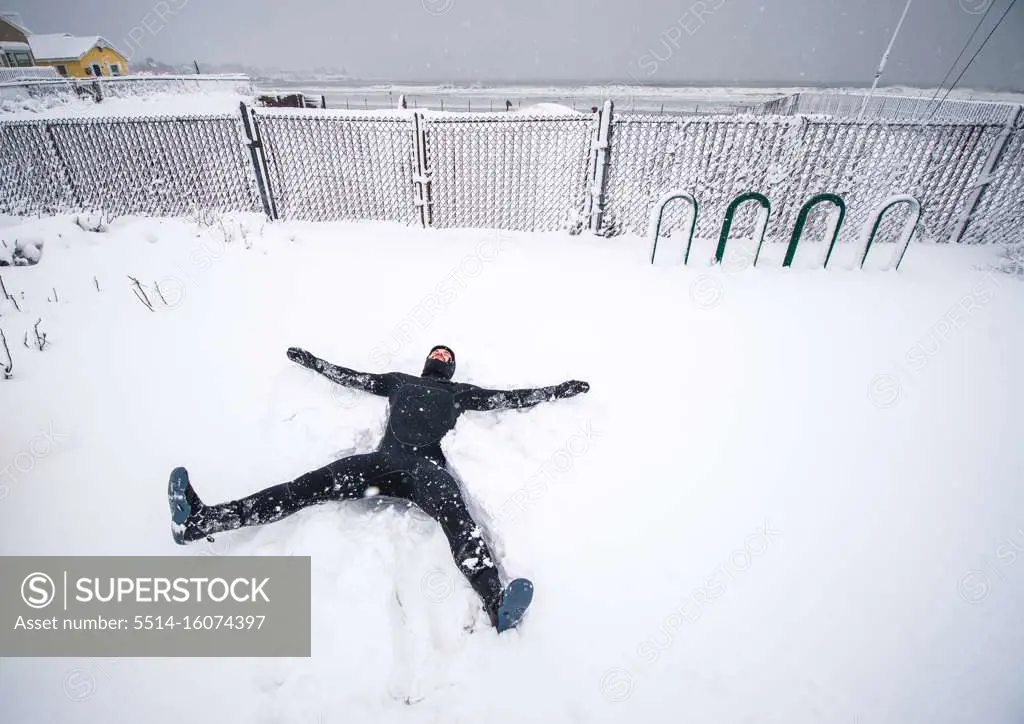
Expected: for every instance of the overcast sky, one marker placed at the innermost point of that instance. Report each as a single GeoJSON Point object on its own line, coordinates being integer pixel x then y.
{"type": "Point", "coordinates": [651, 41]}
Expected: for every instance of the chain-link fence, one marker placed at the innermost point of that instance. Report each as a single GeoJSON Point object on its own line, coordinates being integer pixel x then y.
{"type": "Point", "coordinates": [789, 160]}
{"type": "Point", "coordinates": [522, 172]}
{"type": "Point", "coordinates": [886, 107]}
{"type": "Point", "coordinates": [180, 165]}
{"type": "Point", "coordinates": [999, 215]}
{"type": "Point", "coordinates": [125, 86]}
{"type": "Point", "coordinates": [325, 165]}
{"type": "Point", "coordinates": [714, 158]}
{"type": "Point", "coordinates": [32, 180]}
{"type": "Point", "coordinates": [50, 88]}
{"type": "Point", "coordinates": [519, 172]}
{"type": "Point", "coordinates": [30, 72]}
{"type": "Point", "coordinates": [865, 164]}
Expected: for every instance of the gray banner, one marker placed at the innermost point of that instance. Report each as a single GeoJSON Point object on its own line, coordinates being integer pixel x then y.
{"type": "Point", "coordinates": [123, 606]}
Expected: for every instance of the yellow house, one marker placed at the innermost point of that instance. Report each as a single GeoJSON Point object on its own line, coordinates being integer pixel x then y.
{"type": "Point", "coordinates": [89, 56]}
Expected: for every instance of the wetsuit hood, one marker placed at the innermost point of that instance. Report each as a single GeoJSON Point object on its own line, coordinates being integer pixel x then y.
{"type": "Point", "coordinates": [439, 368]}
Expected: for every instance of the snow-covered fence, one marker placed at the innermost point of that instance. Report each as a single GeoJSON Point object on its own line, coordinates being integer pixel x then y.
{"type": "Point", "coordinates": [127, 85]}
{"type": "Point", "coordinates": [999, 213]}
{"type": "Point", "coordinates": [484, 170]}
{"type": "Point", "coordinates": [33, 88]}
{"type": "Point", "coordinates": [887, 107]}
{"type": "Point", "coordinates": [712, 157]}
{"type": "Point", "coordinates": [782, 106]}
{"type": "Point", "coordinates": [31, 178]}
{"type": "Point", "coordinates": [141, 85]}
{"type": "Point", "coordinates": [160, 165]}
{"type": "Point", "coordinates": [339, 165]}
{"type": "Point", "coordinates": [511, 171]}
{"type": "Point", "coordinates": [521, 172]}
{"type": "Point", "coordinates": [37, 72]}
{"type": "Point", "coordinates": [790, 160]}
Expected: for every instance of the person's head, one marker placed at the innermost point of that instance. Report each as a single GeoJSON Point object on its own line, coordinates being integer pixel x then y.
{"type": "Point", "coordinates": [440, 363]}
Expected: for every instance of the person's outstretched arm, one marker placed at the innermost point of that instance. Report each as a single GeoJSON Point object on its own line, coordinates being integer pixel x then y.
{"type": "Point", "coordinates": [367, 381]}
{"type": "Point", "coordinates": [479, 399]}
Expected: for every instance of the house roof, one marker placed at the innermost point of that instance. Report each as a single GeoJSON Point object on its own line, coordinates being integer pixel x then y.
{"type": "Point", "coordinates": [64, 46]}
{"type": "Point", "coordinates": [14, 19]}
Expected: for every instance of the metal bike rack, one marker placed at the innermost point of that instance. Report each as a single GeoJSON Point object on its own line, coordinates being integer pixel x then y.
{"type": "Point", "coordinates": [731, 211]}
{"type": "Point", "coordinates": [654, 228]}
{"type": "Point", "coordinates": [908, 226]}
{"type": "Point", "coordinates": [801, 221]}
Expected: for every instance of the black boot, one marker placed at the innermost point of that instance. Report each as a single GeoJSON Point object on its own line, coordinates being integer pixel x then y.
{"type": "Point", "coordinates": [508, 609]}
{"type": "Point", "coordinates": [186, 508]}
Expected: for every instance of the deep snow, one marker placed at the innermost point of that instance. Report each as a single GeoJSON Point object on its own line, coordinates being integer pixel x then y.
{"type": "Point", "coordinates": [790, 496]}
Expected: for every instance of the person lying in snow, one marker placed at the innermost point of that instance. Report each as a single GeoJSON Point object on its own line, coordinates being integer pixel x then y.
{"type": "Point", "coordinates": [408, 464]}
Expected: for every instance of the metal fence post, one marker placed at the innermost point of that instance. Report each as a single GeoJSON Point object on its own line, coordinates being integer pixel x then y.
{"type": "Point", "coordinates": [601, 166]}
{"type": "Point", "coordinates": [588, 197]}
{"type": "Point", "coordinates": [255, 149]}
{"type": "Point", "coordinates": [421, 181]}
{"type": "Point", "coordinates": [985, 177]}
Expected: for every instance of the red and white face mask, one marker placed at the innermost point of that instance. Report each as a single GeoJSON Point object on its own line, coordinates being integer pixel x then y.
{"type": "Point", "coordinates": [441, 354]}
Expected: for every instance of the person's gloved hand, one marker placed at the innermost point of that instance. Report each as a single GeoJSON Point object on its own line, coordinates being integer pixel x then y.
{"type": "Point", "coordinates": [302, 357]}
{"type": "Point", "coordinates": [571, 388]}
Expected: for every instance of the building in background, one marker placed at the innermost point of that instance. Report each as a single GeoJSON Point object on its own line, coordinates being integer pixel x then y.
{"type": "Point", "coordinates": [78, 56]}
{"type": "Point", "coordinates": [15, 51]}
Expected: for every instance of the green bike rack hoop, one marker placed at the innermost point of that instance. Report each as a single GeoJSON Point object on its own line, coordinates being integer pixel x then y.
{"type": "Point", "coordinates": [908, 226]}
{"type": "Point", "coordinates": [654, 227]}
{"type": "Point", "coordinates": [731, 211]}
{"type": "Point", "coordinates": [801, 221]}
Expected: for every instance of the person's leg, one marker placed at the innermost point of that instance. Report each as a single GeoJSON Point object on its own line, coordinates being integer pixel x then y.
{"type": "Point", "coordinates": [437, 493]}
{"type": "Point", "coordinates": [345, 479]}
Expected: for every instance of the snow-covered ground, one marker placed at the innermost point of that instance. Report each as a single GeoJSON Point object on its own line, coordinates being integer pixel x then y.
{"type": "Point", "coordinates": [20, 107]}
{"type": "Point", "coordinates": [790, 496]}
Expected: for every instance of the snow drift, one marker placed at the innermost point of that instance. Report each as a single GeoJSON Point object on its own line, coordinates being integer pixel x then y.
{"type": "Point", "coordinates": [790, 496]}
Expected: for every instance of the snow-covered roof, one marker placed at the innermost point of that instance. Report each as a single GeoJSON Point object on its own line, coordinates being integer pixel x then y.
{"type": "Point", "coordinates": [64, 46]}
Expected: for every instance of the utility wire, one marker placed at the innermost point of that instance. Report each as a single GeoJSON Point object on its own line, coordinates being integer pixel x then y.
{"type": "Point", "coordinates": [976, 52]}
{"type": "Point", "coordinates": [958, 57]}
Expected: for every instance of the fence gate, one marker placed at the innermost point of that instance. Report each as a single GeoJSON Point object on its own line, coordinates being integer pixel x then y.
{"type": "Point", "coordinates": [508, 171]}
{"type": "Point", "coordinates": [328, 165]}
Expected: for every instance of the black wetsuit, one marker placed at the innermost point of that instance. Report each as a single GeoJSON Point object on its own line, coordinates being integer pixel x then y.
{"type": "Point", "coordinates": [408, 464]}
